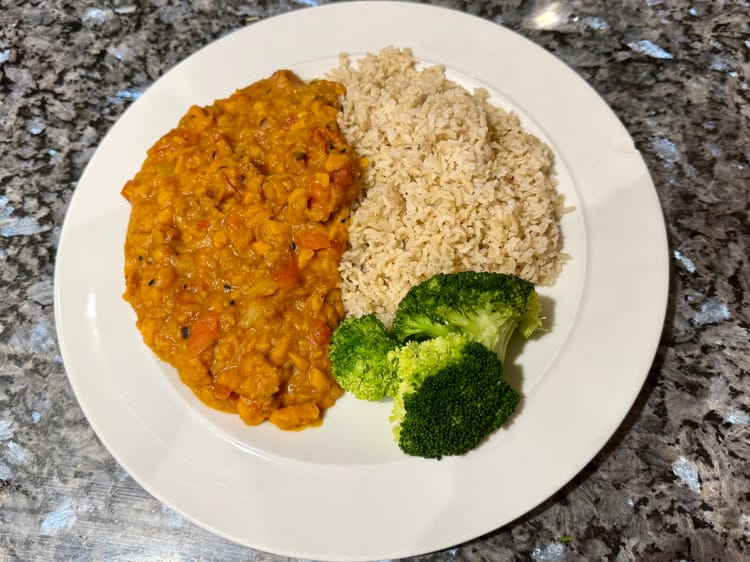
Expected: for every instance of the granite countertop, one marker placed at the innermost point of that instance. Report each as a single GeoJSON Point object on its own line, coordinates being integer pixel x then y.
{"type": "Point", "coordinates": [672, 483]}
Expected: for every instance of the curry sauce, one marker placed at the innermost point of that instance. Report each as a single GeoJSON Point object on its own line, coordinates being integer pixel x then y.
{"type": "Point", "coordinates": [238, 222]}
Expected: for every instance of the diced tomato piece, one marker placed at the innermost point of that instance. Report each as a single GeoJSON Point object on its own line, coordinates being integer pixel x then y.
{"type": "Point", "coordinates": [311, 239]}
{"type": "Point", "coordinates": [344, 176]}
{"type": "Point", "coordinates": [204, 331]}
{"type": "Point", "coordinates": [320, 334]}
{"type": "Point", "coordinates": [286, 273]}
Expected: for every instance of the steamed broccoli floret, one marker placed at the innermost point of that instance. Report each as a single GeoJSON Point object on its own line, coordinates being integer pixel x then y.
{"type": "Point", "coordinates": [488, 307]}
{"type": "Point", "coordinates": [451, 395]}
{"type": "Point", "coordinates": [443, 361]}
{"type": "Point", "coordinates": [359, 358]}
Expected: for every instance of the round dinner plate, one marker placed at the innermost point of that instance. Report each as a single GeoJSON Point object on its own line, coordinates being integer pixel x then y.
{"type": "Point", "coordinates": [344, 491]}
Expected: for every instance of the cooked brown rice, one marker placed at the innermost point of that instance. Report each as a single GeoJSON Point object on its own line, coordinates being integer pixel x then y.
{"type": "Point", "coordinates": [453, 183]}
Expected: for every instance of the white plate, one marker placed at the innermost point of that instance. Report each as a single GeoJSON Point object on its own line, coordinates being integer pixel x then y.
{"type": "Point", "coordinates": [344, 490]}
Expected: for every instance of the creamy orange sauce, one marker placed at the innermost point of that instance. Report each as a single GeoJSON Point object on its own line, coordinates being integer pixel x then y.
{"type": "Point", "coordinates": [239, 218]}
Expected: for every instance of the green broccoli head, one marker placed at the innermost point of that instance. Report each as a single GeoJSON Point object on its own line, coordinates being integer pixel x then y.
{"type": "Point", "coordinates": [359, 358]}
{"type": "Point", "coordinates": [452, 394]}
{"type": "Point", "coordinates": [487, 307]}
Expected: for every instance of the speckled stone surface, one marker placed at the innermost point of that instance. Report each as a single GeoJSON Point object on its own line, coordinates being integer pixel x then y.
{"type": "Point", "coordinates": [672, 484]}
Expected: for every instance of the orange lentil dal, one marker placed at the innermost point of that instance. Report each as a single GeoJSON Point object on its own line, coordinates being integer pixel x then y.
{"type": "Point", "coordinates": [238, 222]}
